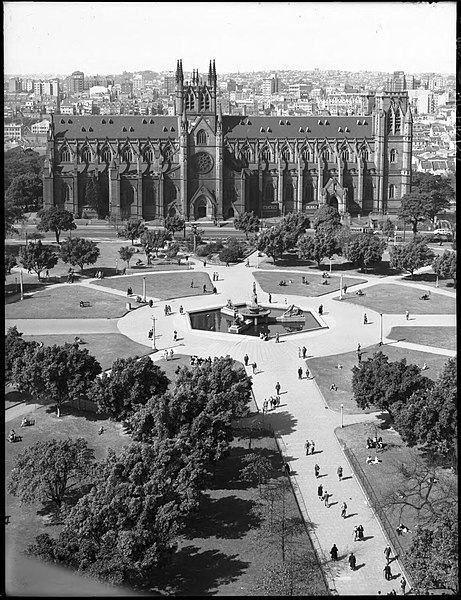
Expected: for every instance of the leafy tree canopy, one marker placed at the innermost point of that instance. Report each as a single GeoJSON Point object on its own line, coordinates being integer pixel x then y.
{"type": "Point", "coordinates": [133, 230]}
{"type": "Point", "coordinates": [126, 253]}
{"type": "Point", "coordinates": [55, 219]}
{"type": "Point", "coordinates": [365, 249]}
{"type": "Point", "coordinates": [411, 256]}
{"type": "Point", "coordinates": [15, 347]}
{"type": "Point", "coordinates": [174, 223]}
{"type": "Point", "coordinates": [247, 222]}
{"type": "Point", "coordinates": [79, 251]}
{"type": "Point", "coordinates": [130, 383]}
{"type": "Point", "coordinates": [37, 257]}
{"type": "Point", "coordinates": [326, 216]}
{"type": "Point", "coordinates": [324, 244]}
{"type": "Point", "coordinates": [26, 191]}
{"type": "Point", "coordinates": [18, 161]}
{"type": "Point", "coordinates": [49, 469]}
{"type": "Point", "coordinates": [445, 266]}
{"type": "Point", "coordinates": [154, 239]}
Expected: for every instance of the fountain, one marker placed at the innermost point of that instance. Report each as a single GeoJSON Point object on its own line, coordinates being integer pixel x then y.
{"type": "Point", "coordinates": [248, 316]}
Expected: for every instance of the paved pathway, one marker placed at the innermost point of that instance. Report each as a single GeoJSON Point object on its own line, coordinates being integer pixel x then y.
{"type": "Point", "coordinates": [303, 412]}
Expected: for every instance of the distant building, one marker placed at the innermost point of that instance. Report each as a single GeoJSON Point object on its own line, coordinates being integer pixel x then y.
{"type": "Point", "coordinates": [12, 131]}
{"type": "Point", "coordinates": [169, 84]}
{"type": "Point", "coordinates": [138, 82]}
{"type": "Point", "coordinates": [201, 164]}
{"type": "Point", "coordinates": [397, 83]}
{"type": "Point", "coordinates": [41, 127]}
{"type": "Point", "coordinates": [14, 85]}
{"type": "Point", "coordinates": [76, 82]}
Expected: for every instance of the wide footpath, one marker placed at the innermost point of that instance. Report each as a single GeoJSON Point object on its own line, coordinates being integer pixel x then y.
{"type": "Point", "coordinates": [303, 413]}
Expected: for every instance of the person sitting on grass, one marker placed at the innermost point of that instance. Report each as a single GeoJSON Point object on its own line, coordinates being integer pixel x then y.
{"type": "Point", "coordinates": [359, 293]}
{"type": "Point", "coordinates": [401, 529]}
{"type": "Point", "coordinates": [369, 460]}
{"type": "Point", "coordinates": [376, 460]}
{"type": "Point", "coordinates": [333, 387]}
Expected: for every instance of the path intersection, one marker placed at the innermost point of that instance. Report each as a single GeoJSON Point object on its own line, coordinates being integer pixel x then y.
{"type": "Point", "coordinates": [303, 413]}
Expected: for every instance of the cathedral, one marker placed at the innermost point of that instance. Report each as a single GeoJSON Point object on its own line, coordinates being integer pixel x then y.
{"type": "Point", "coordinates": [201, 164]}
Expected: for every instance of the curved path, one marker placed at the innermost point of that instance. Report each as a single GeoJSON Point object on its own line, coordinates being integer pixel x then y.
{"type": "Point", "coordinates": [303, 413]}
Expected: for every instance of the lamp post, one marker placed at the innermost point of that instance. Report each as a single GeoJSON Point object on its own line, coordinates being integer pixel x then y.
{"type": "Point", "coordinates": [342, 420]}
{"type": "Point", "coordinates": [330, 264]}
{"type": "Point", "coordinates": [116, 266]}
{"type": "Point", "coordinates": [21, 284]}
{"type": "Point", "coordinates": [436, 280]}
{"type": "Point", "coordinates": [380, 329]}
{"type": "Point", "coordinates": [341, 287]}
{"type": "Point", "coordinates": [143, 289]}
{"type": "Point", "coordinates": [154, 347]}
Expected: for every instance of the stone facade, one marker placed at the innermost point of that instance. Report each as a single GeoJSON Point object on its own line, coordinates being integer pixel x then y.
{"type": "Point", "coordinates": [201, 164]}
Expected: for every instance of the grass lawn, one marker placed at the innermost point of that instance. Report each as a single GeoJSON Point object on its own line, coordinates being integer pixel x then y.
{"type": "Point", "coordinates": [385, 477]}
{"type": "Point", "coordinates": [439, 337]}
{"type": "Point", "coordinates": [63, 303]}
{"type": "Point", "coordinates": [104, 347]}
{"type": "Point", "coordinates": [394, 299]}
{"type": "Point", "coordinates": [326, 372]}
{"type": "Point", "coordinates": [430, 279]}
{"type": "Point", "coordinates": [165, 286]}
{"type": "Point", "coordinates": [269, 281]}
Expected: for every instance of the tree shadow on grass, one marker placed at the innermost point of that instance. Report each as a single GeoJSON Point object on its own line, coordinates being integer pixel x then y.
{"type": "Point", "coordinates": [49, 509]}
{"type": "Point", "coordinates": [282, 422]}
{"type": "Point", "coordinates": [195, 573]}
{"type": "Point", "coordinates": [229, 518]}
{"type": "Point", "coordinates": [227, 475]}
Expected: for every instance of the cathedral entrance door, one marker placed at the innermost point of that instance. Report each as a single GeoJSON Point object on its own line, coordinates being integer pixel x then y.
{"type": "Point", "coordinates": [333, 202]}
{"type": "Point", "coordinates": [201, 208]}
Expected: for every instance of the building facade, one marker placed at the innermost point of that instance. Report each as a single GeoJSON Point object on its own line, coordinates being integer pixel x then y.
{"type": "Point", "coordinates": [201, 164]}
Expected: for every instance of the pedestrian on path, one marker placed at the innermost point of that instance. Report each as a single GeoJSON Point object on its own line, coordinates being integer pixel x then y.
{"type": "Point", "coordinates": [304, 351]}
{"type": "Point", "coordinates": [359, 357]}
{"type": "Point", "coordinates": [334, 552]}
{"type": "Point", "coordinates": [204, 263]}
{"type": "Point", "coordinates": [321, 310]}
{"type": "Point", "coordinates": [356, 533]}
{"type": "Point", "coordinates": [312, 447]}
{"type": "Point", "coordinates": [387, 553]}
{"type": "Point", "coordinates": [345, 289]}
{"type": "Point", "coordinates": [171, 354]}
{"type": "Point", "coordinates": [403, 585]}
{"type": "Point", "coordinates": [326, 495]}
{"type": "Point", "coordinates": [358, 347]}
{"type": "Point", "coordinates": [316, 470]}
{"type": "Point", "coordinates": [320, 491]}
{"type": "Point", "coordinates": [306, 446]}
{"type": "Point", "coordinates": [299, 352]}
{"type": "Point", "coordinates": [308, 374]}
{"type": "Point", "coordinates": [407, 315]}
{"type": "Point", "coordinates": [175, 335]}
{"type": "Point", "coordinates": [360, 531]}
{"type": "Point", "coordinates": [270, 298]}
{"type": "Point", "coordinates": [254, 366]}
{"type": "Point", "coordinates": [343, 510]}
{"type": "Point", "coordinates": [387, 572]}
{"type": "Point", "coordinates": [300, 373]}
{"type": "Point", "coordinates": [246, 359]}
{"type": "Point", "coordinates": [204, 288]}
{"type": "Point", "coordinates": [340, 473]}
{"type": "Point", "coordinates": [277, 388]}
{"type": "Point", "coordinates": [352, 561]}
{"type": "Point", "coordinates": [192, 284]}
{"type": "Point", "coordinates": [365, 319]}
{"type": "Point", "coordinates": [277, 338]}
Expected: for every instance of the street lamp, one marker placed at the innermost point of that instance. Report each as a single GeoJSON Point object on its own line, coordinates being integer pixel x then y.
{"type": "Point", "coordinates": [330, 264]}
{"type": "Point", "coordinates": [341, 287]}
{"type": "Point", "coordinates": [380, 329]}
{"type": "Point", "coordinates": [116, 266]}
{"type": "Point", "coordinates": [154, 347]}
{"type": "Point", "coordinates": [21, 284]}
{"type": "Point", "coordinates": [143, 289]}
{"type": "Point", "coordinates": [342, 420]}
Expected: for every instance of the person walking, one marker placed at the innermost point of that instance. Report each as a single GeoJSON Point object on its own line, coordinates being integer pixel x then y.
{"type": "Point", "coordinates": [334, 552]}
{"type": "Point", "coordinates": [360, 532]}
{"type": "Point", "coordinates": [365, 319]}
{"type": "Point", "coordinates": [339, 471]}
{"type": "Point", "coordinates": [316, 471]}
{"type": "Point", "coordinates": [345, 289]}
{"type": "Point", "coordinates": [312, 447]}
{"type": "Point", "coordinates": [192, 284]}
{"type": "Point", "coordinates": [321, 310]}
{"type": "Point", "coordinates": [387, 572]}
{"type": "Point", "coordinates": [277, 338]}
{"type": "Point", "coordinates": [352, 561]}
{"type": "Point", "coordinates": [387, 553]}
{"type": "Point", "coordinates": [343, 510]}
{"type": "Point", "coordinates": [403, 585]}
{"type": "Point", "coordinates": [270, 298]}
{"type": "Point", "coordinates": [175, 335]}
{"type": "Point", "coordinates": [277, 388]}
{"type": "Point", "coordinates": [245, 360]}
{"type": "Point", "coordinates": [407, 315]}
{"type": "Point", "coordinates": [254, 366]}
{"type": "Point", "coordinates": [306, 447]}
{"type": "Point", "coordinates": [204, 288]}
{"type": "Point", "coordinates": [304, 351]}
{"type": "Point", "coordinates": [300, 373]}
{"type": "Point", "coordinates": [356, 533]}
{"type": "Point", "coordinates": [326, 495]}
{"type": "Point", "coordinates": [320, 491]}
{"type": "Point", "coordinates": [171, 354]}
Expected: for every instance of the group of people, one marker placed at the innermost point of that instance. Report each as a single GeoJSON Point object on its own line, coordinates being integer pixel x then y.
{"type": "Point", "coordinates": [196, 361]}
{"type": "Point", "coordinates": [273, 401]}
{"type": "Point", "coordinates": [13, 436]}
{"type": "Point", "coordinates": [99, 275]}
{"type": "Point", "coordinates": [215, 276]}
{"type": "Point", "coordinates": [167, 310]}
{"type": "Point", "coordinates": [264, 336]}
{"type": "Point", "coordinates": [309, 446]}
{"type": "Point", "coordinates": [372, 461]}
{"type": "Point", "coordinates": [302, 352]}
{"type": "Point", "coordinates": [377, 442]}
{"type": "Point", "coordinates": [358, 533]}
{"type": "Point", "coordinates": [168, 355]}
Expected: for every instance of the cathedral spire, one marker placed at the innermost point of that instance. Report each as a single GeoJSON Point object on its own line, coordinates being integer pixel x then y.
{"type": "Point", "coordinates": [214, 73]}
{"type": "Point", "coordinates": [210, 75]}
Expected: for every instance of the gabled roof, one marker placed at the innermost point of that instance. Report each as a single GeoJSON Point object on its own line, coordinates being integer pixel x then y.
{"type": "Point", "coordinates": [115, 126]}
{"type": "Point", "coordinates": [298, 127]}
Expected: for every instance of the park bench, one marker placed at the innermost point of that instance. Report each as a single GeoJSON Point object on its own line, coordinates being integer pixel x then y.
{"type": "Point", "coordinates": [84, 304]}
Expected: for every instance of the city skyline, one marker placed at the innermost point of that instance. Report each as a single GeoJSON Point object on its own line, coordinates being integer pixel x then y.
{"type": "Point", "coordinates": [302, 36]}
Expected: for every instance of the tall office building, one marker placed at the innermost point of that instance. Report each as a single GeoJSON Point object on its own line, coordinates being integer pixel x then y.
{"type": "Point", "coordinates": [76, 82]}
{"type": "Point", "coordinates": [397, 83]}
{"type": "Point", "coordinates": [198, 163]}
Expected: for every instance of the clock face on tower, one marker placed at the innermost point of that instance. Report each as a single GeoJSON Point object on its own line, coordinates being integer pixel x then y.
{"type": "Point", "coordinates": [203, 162]}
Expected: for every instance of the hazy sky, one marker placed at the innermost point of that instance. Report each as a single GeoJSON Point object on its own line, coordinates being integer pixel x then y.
{"type": "Point", "coordinates": [110, 37]}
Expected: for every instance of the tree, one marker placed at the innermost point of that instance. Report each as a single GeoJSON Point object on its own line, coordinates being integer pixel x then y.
{"type": "Point", "coordinates": [12, 215]}
{"type": "Point", "coordinates": [10, 261]}
{"type": "Point", "coordinates": [26, 191]}
{"type": "Point", "coordinates": [433, 555]}
{"type": "Point", "coordinates": [414, 208]}
{"type": "Point", "coordinates": [55, 373]}
{"type": "Point", "coordinates": [271, 242]}
{"type": "Point", "coordinates": [439, 188]}
{"type": "Point", "coordinates": [48, 470]}
{"type": "Point", "coordinates": [55, 219]}
{"type": "Point", "coordinates": [445, 266]}
{"type": "Point", "coordinates": [133, 230]}
{"type": "Point", "coordinates": [429, 417]}
{"type": "Point", "coordinates": [152, 240]}
{"type": "Point", "coordinates": [37, 257]}
{"type": "Point", "coordinates": [79, 251]}
{"type": "Point", "coordinates": [326, 216]}
{"type": "Point", "coordinates": [247, 222]}
{"type": "Point", "coordinates": [258, 467]}
{"type": "Point", "coordinates": [18, 161]}
{"type": "Point", "coordinates": [365, 249]}
{"type": "Point", "coordinates": [293, 226]}
{"type": "Point", "coordinates": [173, 224]}
{"type": "Point", "coordinates": [129, 384]}
{"type": "Point", "coordinates": [126, 254]}
{"type": "Point", "coordinates": [411, 256]}
{"type": "Point", "coordinates": [15, 346]}
{"type": "Point", "coordinates": [324, 244]}
{"type": "Point", "coordinates": [388, 228]}
{"type": "Point", "coordinates": [128, 523]}
{"type": "Point", "coordinates": [381, 383]}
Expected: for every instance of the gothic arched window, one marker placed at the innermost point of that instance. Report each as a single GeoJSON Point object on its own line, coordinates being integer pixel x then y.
{"type": "Point", "coordinates": [106, 154]}
{"type": "Point", "coordinates": [168, 152]}
{"type": "Point", "coordinates": [127, 155]}
{"type": "Point", "coordinates": [398, 122]}
{"type": "Point", "coordinates": [286, 154]}
{"type": "Point", "coordinates": [65, 154]}
{"type": "Point", "coordinates": [365, 155]}
{"type": "Point", "coordinates": [265, 154]}
{"type": "Point", "coordinates": [346, 155]}
{"type": "Point", "coordinates": [245, 154]}
{"type": "Point", "coordinates": [391, 192]}
{"type": "Point", "coordinates": [86, 155]}
{"type": "Point", "coordinates": [202, 137]}
{"type": "Point", "coordinates": [392, 156]}
{"type": "Point", "coordinates": [148, 155]}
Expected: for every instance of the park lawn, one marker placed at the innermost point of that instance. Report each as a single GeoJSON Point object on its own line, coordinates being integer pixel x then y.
{"type": "Point", "coordinates": [62, 302]}
{"type": "Point", "coordinates": [439, 337]}
{"type": "Point", "coordinates": [393, 299]}
{"type": "Point", "coordinates": [325, 370]}
{"type": "Point", "coordinates": [384, 477]}
{"type": "Point", "coordinates": [269, 281]}
{"type": "Point", "coordinates": [429, 279]}
{"type": "Point", "coordinates": [105, 347]}
{"type": "Point", "coordinates": [164, 286]}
